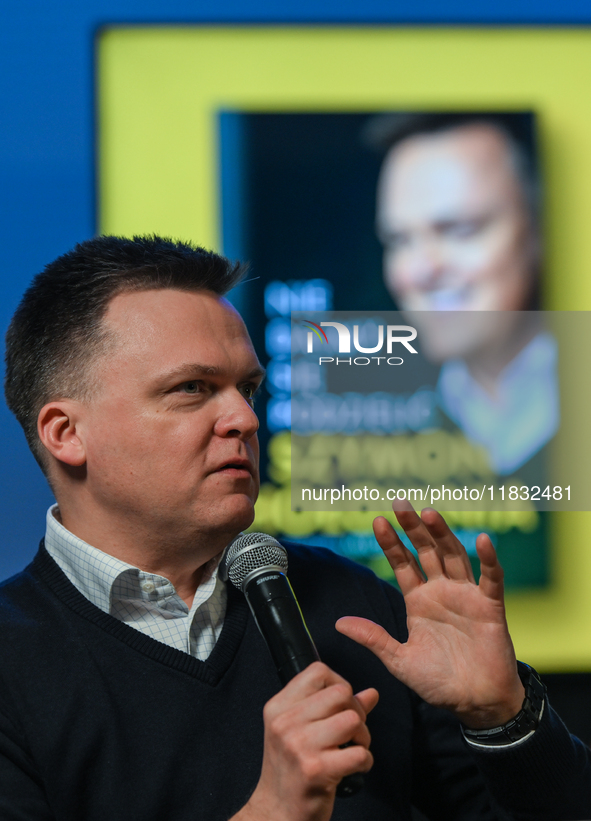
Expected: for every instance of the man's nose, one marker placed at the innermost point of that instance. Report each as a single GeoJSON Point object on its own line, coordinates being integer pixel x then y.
{"type": "Point", "coordinates": [236, 417]}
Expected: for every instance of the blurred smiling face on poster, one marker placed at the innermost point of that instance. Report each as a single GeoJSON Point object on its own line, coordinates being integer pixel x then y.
{"type": "Point", "coordinates": [453, 217]}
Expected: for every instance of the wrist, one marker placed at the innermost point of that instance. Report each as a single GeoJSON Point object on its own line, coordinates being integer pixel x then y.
{"type": "Point", "coordinates": [263, 805]}
{"type": "Point", "coordinates": [497, 714]}
{"type": "Point", "coordinates": [523, 724]}
{"type": "Point", "coordinates": [253, 810]}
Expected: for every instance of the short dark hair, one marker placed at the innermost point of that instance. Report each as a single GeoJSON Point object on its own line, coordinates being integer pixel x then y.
{"type": "Point", "coordinates": [384, 131]}
{"type": "Point", "coordinates": [57, 329]}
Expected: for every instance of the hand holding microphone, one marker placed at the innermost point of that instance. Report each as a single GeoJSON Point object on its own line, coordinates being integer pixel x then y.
{"type": "Point", "coordinates": [315, 734]}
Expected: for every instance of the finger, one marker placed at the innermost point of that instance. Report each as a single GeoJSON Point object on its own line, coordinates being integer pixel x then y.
{"type": "Point", "coordinates": [491, 572]}
{"type": "Point", "coordinates": [329, 719]}
{"type": "Point", "coordinates": [368, 699]}
{"type": "Point", "coordinates": [451, 551]}
{"type": "Point", "coordinates": [330, 701]}
{"type": "Point", "coordinates": [347, 760]}
{"type": "Point", "coordinates": [330, 694]}
{"type": "Point", "coordinates": [406, 568]}
{"type": "Point", "coordinates": [373, 636]}
{"type": "Point", "coordinates": [316, 677]}
{"type": "Point", "coordinates": [420, 538]}
{"type": "Point", "coordinates": [342, 728]}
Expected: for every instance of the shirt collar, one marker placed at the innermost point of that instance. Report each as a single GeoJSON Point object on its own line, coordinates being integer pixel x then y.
{"type": "Point", "coordinates": [95, 573]}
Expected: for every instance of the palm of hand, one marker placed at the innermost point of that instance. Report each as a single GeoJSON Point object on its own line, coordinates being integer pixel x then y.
{"type": "Point", "coordinates": [456, 635]}
{"type": "Point", "coordinates": [459, 653]}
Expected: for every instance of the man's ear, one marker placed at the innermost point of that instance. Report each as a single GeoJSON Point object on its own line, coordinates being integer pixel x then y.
{"type": "Point", "coordinates": [57, 426]}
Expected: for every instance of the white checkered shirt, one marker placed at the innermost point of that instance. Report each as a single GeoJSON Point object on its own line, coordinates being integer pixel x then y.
{"type": "Point", "coordinates": [145, 601]}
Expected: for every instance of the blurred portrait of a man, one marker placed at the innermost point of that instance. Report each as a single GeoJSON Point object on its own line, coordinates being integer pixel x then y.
{"type": "Point", "coordinates": [458, 214]}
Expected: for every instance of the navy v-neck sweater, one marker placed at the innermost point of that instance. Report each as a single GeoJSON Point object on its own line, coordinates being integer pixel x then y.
{"type": "Point", "coordinates": [98, 721]}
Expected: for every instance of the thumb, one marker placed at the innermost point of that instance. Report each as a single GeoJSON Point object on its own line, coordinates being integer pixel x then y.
{"type": "Point", "coordinates": [368, 699]}
{"type": "Point", "coordinates": [370, 635]}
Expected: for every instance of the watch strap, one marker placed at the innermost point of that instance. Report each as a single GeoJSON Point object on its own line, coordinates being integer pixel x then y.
{"type": "Point", "coordinates": [525, 722]}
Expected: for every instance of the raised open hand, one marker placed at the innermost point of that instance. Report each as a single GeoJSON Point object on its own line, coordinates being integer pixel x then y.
{"type": "Point", "coordinates": [459, 653]}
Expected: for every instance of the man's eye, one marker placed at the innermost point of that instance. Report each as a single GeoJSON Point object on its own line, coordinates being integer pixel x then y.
{"type": "Point", "coordinates": [249, 392]}
{"type": "Point", "coordinates": [191, 387]}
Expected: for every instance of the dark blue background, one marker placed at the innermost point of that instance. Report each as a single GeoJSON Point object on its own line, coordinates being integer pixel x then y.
{"type": "Point", "coordinates": [47, 149]}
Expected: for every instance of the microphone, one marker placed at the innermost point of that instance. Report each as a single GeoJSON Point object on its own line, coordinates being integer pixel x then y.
{"type": "Point", "coordinates": [256, 564]}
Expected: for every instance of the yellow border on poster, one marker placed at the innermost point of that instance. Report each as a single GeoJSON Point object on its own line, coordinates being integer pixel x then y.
{"type": "Point", "coordinates": [160, 89]}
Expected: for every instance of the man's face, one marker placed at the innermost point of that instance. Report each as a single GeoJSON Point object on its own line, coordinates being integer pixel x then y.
{"type": "Point", "coordinates": [454, 223]}
{"type": "Point", "coordinates": [170, 433]}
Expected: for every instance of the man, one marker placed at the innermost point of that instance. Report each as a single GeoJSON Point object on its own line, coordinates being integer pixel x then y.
{"type": "Point", "coordinates": [458, 214]}
{"type": "Point", "coordinates": [134, 684]}
{"type": "Point", "coordinates": [458, 211]}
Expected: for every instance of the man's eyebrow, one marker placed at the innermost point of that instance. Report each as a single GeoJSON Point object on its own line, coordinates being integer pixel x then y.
{"type": "Point", "coordinates": [257, 372]}
{"type": "Point", "coordinates": [191, 369]}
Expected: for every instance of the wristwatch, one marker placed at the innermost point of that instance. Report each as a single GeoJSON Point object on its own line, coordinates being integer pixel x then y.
{"type": "Point", "coordinates": [526, 720]}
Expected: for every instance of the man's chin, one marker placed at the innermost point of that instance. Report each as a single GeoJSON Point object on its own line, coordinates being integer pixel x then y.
{"type": "Point", "coordinates": [238, 514]}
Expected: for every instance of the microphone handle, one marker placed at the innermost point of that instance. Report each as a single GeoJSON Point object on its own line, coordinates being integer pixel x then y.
{"type": "Point", "coordinates": [278, 616]}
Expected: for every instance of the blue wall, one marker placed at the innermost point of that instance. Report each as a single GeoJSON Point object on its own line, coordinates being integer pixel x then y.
{"type": "Point", "coordinates": [47, 149]}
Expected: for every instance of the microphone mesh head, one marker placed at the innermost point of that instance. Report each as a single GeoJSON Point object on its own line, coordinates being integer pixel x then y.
{"type": "Point", "coordinates": [259, 550]}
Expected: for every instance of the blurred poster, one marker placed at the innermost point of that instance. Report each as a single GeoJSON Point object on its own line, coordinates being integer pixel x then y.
{"type": "Point", "coordinates": [431, 214]}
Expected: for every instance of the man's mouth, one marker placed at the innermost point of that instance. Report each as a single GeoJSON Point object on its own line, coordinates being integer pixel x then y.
{"type": "Point", "coordinates": [238, 469]}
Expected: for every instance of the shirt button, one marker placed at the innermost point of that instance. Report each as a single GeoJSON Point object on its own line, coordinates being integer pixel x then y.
{"type": "Point", "coordinates": [148, 587]}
